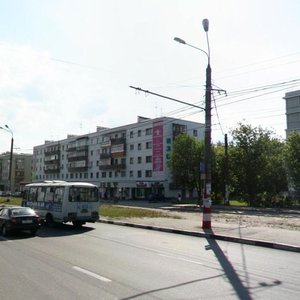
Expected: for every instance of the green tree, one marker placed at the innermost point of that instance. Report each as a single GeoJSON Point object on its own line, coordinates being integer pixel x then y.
{"type": "Point", "coordinates": [185, 159]}
{"type": "Point", "coordinates": [218, 173]}
{"type": "Point", "coordinates": [257, 164]}
{"type": "Point", "coordinates": [292, 157]}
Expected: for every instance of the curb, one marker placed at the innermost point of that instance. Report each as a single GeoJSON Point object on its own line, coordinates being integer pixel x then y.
{"type": "Point", "coordinates": [260, 243]}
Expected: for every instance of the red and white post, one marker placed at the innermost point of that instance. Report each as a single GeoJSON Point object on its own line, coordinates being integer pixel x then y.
{"type": "Point", "coordinates": [206, 220]}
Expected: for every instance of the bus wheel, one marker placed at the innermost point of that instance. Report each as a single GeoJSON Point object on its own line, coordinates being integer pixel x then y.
{"type": "Point", "coordinates": [49, 220]}
{"type": "Point", "coordinates": [78, 224]}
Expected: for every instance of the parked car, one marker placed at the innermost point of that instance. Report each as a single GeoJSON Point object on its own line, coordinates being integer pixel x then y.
{"type": "Point", "coordinates": [17, 218]}
{"type": "Point", "coordinates": [156, 198]}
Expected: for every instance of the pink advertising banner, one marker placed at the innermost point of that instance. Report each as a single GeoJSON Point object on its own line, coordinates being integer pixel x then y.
{"type": "Point", "coordinates": [158, 147]}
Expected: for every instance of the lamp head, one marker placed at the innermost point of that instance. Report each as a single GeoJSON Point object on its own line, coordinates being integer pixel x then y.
{"type": "Point", "coordinates": [179, 40]}
{"type": "Point", "coordinates": [205, 24]}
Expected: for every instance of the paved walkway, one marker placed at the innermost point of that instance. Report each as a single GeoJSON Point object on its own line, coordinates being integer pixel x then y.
{"type": "Point", "coordinates": [190, 223]}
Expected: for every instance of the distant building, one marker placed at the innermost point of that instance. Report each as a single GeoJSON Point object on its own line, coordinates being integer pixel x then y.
{"type": "Point", "coordinates": [292, 100]}
{"type": "Point", "coordinates": [129, 161]}
{"type": "Point", "coordinates": [21, 171]}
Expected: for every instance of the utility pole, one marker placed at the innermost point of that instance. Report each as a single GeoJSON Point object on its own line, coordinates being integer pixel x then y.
{"type": "Point", "coordinates": [226, 192]}
{"type": "Point", "coordinates": [6, 128]}
{"type": "Point", "coordinates": [206, 222]}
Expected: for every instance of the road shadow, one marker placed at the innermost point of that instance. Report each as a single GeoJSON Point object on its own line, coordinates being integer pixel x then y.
{"type": "Point", "coordinates": [170, 287]}
{"type": "Point", "coordinates": [57, 230]}
{"type": "Point", "coordinates": [241, 290]}
{"type": "Point", "coordinates": [60, 229]}
{"type": "Point", "coordinates": [241, 287]}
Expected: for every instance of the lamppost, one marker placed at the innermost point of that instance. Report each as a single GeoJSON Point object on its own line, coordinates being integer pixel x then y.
{"type": "Point", "coordinates": [6, 128]}
{"type": "Point", "coordinates": [206, 223]}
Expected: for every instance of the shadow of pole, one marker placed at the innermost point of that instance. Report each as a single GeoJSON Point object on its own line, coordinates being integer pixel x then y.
{"type": "Point", "coordinates": [170, 287]}
{"type": "Point", "coordinates": [241, 290]}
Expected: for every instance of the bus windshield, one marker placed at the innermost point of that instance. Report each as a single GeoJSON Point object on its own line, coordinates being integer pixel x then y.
{"type": "Point", "coordinates": [83, 194]}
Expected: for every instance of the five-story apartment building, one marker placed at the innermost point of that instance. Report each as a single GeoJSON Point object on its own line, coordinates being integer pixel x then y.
{"type": "Point", "coordinates": [129, 161]}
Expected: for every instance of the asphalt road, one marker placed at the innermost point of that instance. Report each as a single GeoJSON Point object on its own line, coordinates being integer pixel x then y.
{"type": "Point", "coordinates": [113, 262]}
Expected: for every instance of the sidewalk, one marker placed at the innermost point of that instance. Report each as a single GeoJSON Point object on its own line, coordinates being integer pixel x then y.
{"type": "Point", "coordinates": [189, 222]}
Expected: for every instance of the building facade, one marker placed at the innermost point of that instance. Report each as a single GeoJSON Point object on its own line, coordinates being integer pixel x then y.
{"type": "Point", "coordinates": [292, 100]}
{"type": "Point", "coordinates": [21, 172]}
{"type": "Point", "coordinates": [125, 162]}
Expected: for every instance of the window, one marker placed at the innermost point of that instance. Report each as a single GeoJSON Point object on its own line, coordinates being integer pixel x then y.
{"type": "Point", "coordinates": [195, 133]}
{"type": "Point", "coordinates": [139, 160]}
{"type": "Point", "coordinates": [116, 174]}
{"type": "Point", "coordinates": [130, 173]}
{"type": "Point", "coordinates": [139, 174]}
{"type": "Point", "coordinates": [123, 173]}
{"type": "Point", "coordinates": [149, 159]}
{"type": "Point", "coordinates": [92, 175]}
{"type": "Point", "coordinates": [110, 174]}
{"type": "Point", "coordinates": [131, 147]}
{"type": "Point", "coordinates": [139, 132]}
{"type": "Point", "coordinates": [131, 134]}
{"type": "Point", "coordinates": [103, 174]}
{"type": "Point", "coordinates": [148, 131]}
{"type": "Point", "coordinates": [131, 160]}
{"type": "Point", "coordinates": [59, 194]}
{"type": "Point", "coordinates": [92, 152]}
{"type": "Point", "coordinates": [139, 146]}
{"type": "Point", "coordinates": [148, 145]}
{"type": "Point", "coordinates": [148, 173]}
{"type": "Point", "coordinates": [97, 175]}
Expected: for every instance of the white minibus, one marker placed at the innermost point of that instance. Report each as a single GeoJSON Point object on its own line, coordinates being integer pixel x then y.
{"type": "Point", "coordinates": [61, 201]}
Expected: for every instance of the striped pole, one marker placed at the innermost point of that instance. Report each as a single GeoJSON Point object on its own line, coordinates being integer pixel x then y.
{"type": "Point", "coordinates": [206, 221]}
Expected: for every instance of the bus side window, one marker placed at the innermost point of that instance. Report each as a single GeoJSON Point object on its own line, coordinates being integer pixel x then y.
{"type": "Point", "coordinates": [41, 193]}
{"type": "Point", "coordinates": [74, 194]}
{"type": "Point", "coordinates": [33, 194]}
{"type": "Point", "coordinates": [59, 194]}
{"type": "Point", "coordinates": [49, 194]}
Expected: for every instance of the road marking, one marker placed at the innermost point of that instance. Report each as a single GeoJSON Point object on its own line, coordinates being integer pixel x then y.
{"type": "Point", "coordinates": [87, 272]}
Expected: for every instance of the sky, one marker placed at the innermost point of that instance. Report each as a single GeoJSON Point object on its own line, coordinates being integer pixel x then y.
{"type": "Point", "coordinates": [66, 65]}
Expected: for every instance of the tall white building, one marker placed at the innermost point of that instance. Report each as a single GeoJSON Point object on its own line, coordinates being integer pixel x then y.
{"type": "Point", "coordinates": [292, 100]}
{"type": "Point", "coordinates": [129, 161]}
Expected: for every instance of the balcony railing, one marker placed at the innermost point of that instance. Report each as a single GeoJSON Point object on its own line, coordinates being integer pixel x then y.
{"type": "Point", "coordinates": [118, 141]}
{"type": "Point", "coordinates": [105, 155]}
{"type": "Point", "coordinates": [112, 167]}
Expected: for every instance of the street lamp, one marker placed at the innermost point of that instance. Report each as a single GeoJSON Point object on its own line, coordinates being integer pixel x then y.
{"type": "Point", "coordinates": [6, 128]}
{"type": "Point", "coordinates": [206, 223]}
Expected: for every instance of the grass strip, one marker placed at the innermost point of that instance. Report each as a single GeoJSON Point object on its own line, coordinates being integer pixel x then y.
{"type": "Point", "coordinates": [115, 211]}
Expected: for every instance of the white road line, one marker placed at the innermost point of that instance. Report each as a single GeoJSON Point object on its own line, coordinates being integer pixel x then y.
{"type": "Point", "coordinates": [87, 272]}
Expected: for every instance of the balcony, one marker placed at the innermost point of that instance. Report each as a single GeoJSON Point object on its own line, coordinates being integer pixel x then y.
{"type": "Point", "coordinates": [118, 141]}
{"type": "Point", "coordinates": [105, 144]}
{"type": "Point", "coordinates": [75, 156]}
{"type": "Point", "coordinates": [51, 169]}
{"type": "Point", "coordinates": [118, 154]}
{"type": "Point", "coordinates": [52, 152]}
{"type": "Point", "coordinates": [51, 161]}
{"type": "Point", "coordinates": [112, 167]}
{"type": "Point", "coordinates": [105, 155]}
{"type": "Point", "coordinates": [74, 148]}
